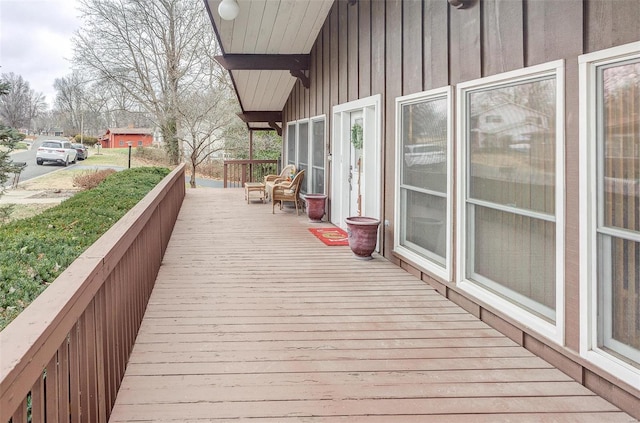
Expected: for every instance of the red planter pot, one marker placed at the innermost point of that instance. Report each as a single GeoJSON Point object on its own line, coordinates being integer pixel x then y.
{"type": "Point", "coordinates": [363, 235]}
{"type": "Point", "coordinates": [315, 206]}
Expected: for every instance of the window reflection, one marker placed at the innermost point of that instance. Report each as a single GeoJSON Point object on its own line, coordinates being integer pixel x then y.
{"type": "Point", "coordinates": [621, 145]}
{"type": "Point", "coordinates": [423, 191]}
{"type": "Point", "coordinates": [424, 142]}
{"type": "Point", "coordinates": [512, 145]}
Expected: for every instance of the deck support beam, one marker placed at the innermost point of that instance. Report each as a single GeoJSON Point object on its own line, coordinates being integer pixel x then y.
{"type": "Point", "coordinates": [276, 128]}
{"type": "Point", "coordinates": [272, 118]}
{"type": "Point", "coordinates": [290, 62]}
{"type": "Point", "coordinates": [296, 64]}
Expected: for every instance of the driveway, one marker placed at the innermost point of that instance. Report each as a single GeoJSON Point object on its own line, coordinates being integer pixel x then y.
{"type": "Point", "coordinates": [32, 170]}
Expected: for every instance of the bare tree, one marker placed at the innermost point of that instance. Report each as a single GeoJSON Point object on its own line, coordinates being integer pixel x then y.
{"type": "Point", "coordinates": [116, 107]}
{"type": "Point", "coordinates": [21, 104]}
{"type": "Point", "coordinates": [91, 106]}
{"type": "Point", "coordinates": [204, 119]}
{"type": "Point", "coordinates": [70, 92]}
{"type": "Point", "coordinates": [157, 51]}
{"type": "Point", "coordinates": [44, 121]}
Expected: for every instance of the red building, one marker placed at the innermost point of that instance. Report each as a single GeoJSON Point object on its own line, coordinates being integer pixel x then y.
{"type": "Point", "coordinates": [123, 137]}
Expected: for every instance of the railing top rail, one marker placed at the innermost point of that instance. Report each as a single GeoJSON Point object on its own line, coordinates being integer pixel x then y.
{"type": "Point", "coordinates": [250, 161]}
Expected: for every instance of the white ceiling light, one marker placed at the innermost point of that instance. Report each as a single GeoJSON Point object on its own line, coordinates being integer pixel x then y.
{"type": "Point", "coordinates": [228, 10]}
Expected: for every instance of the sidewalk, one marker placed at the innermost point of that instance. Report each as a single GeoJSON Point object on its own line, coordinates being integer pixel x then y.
{"type": "Point", "coordinates": [21, 196]}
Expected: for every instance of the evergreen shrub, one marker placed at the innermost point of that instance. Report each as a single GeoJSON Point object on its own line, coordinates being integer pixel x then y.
{"type": "Point", "coordinates": [36, 250]}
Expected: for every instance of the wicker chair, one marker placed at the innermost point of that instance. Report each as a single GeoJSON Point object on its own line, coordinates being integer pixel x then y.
{"type": "Point", "coordinates": [288, 191]}
{"type": "Point", "coordinates": [271, 180]}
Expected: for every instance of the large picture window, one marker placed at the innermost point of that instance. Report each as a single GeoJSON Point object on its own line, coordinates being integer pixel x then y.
{"type": "Point", "coordinates": [511, 179]}
{"type": "Point", "coordinates": [423, 179]}
{"type": "Point", "coordinates": [611, 224]}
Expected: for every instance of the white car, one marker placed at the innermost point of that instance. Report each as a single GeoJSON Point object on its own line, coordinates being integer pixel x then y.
{"type": "Point", "coordinates": [56, 151]}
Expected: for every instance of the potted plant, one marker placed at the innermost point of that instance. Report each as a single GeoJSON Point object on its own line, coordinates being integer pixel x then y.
{"type": "Point", "coordinates": [363, 235]}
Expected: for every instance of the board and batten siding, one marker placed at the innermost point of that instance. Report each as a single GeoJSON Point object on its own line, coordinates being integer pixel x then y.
{"type": "Point", "coordinates": [395, 48]}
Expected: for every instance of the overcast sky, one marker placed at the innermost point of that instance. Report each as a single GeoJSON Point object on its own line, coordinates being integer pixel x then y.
{"type": "Point", "coordinates": [35, 41]}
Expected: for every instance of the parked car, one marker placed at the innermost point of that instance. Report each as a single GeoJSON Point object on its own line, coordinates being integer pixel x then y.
{"type": "Point", "coordinates": [82, 151]}
{"type": "Point", "coordinates": [56, 151]}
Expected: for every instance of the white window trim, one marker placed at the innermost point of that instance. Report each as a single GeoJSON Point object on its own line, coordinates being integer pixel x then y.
{"type": "Point", "coordinates": [437, 270]}
{"type": "Point", "coordinates": [589, 213]}
{"type": "Point", "coordinates": [552, 331]}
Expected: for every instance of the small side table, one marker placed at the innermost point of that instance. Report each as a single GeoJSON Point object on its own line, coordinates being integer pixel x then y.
{"type": "Point", "coordinates": [250, 187]}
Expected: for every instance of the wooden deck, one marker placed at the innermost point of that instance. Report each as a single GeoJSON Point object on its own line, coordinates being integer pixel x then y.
{"type": "Point", "coordinates": [253, 318]}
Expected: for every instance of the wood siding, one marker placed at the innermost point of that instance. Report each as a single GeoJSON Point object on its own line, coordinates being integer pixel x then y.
{"type": "Point", "coordinates": [397, 47]}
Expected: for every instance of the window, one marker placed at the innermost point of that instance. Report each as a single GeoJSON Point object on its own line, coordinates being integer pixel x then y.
{"type": "Point", "coordinates": [291, 143]}
{"type": "Point", "coordinates": [511, 187]}
{"type": "Point", "coordinates": [305, 149]}
{"type": "Point", "coordinates": [317, 156]}
{"type": "Point", "coordinates": [139, 143]}
{"type": "Point", "coordinates": [303, 153]}
{"type": "Point", "coordinates": [610, 227]}
{"type": "Point", "coordinates": [121, 143]}
{"type": "Point", "coordinates": [423, 204]}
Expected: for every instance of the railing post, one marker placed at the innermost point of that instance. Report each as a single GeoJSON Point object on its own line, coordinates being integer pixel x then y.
{"type": "Point", "coordinates": [225, 174]}
{"type": "Point", "coordinates": [244, 174]}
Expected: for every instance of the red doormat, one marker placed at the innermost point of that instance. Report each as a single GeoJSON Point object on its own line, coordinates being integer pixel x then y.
{"type": "Point", "coordinates": [331, 236]}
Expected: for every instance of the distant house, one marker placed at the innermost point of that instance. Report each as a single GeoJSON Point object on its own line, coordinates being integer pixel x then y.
{"type": "Point", "coordinates": [56, 132]}
{"type": "Point", "coordinates": [123, 137]}
{"type": "Point", "coordinates": [508, 125]}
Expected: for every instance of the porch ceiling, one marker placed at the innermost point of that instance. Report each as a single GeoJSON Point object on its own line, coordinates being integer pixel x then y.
{"type": "Point", "coordinates": [275, 33]}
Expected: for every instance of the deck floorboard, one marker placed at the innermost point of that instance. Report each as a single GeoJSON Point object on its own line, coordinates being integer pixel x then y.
{"type": "Point", "coordinates": [254, 319]}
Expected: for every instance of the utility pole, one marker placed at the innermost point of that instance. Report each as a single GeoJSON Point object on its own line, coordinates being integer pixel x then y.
{"type": "Point", "coordinates": [81, 127]}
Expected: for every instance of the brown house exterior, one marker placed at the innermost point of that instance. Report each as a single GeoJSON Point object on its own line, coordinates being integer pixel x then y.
{"type": "Point", "coordinates": [501, 145]}
{"type": "Point", "coordinates": [123, 137]}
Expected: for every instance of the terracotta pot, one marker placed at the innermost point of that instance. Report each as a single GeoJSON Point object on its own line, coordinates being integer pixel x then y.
{"type": "Point", "coordinates": [315, 206]}
{"type": "Point", "coordinates": [363, 235]}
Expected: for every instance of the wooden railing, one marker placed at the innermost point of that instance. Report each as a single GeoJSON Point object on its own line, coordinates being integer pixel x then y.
{"type": "Point", "coordinates": [237, 172]}
{"type": "Point", "coordinates": [63, 358]}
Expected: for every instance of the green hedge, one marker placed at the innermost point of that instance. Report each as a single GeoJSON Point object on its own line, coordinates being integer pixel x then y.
{"type": "Point", "coordinates": [36, 250]}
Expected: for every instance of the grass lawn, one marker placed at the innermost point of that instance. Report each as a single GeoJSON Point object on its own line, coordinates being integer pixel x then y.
{"type": "Point", "coordinates": [112, 157]}
{"type": "Point", "coordinates": [23, 211]}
